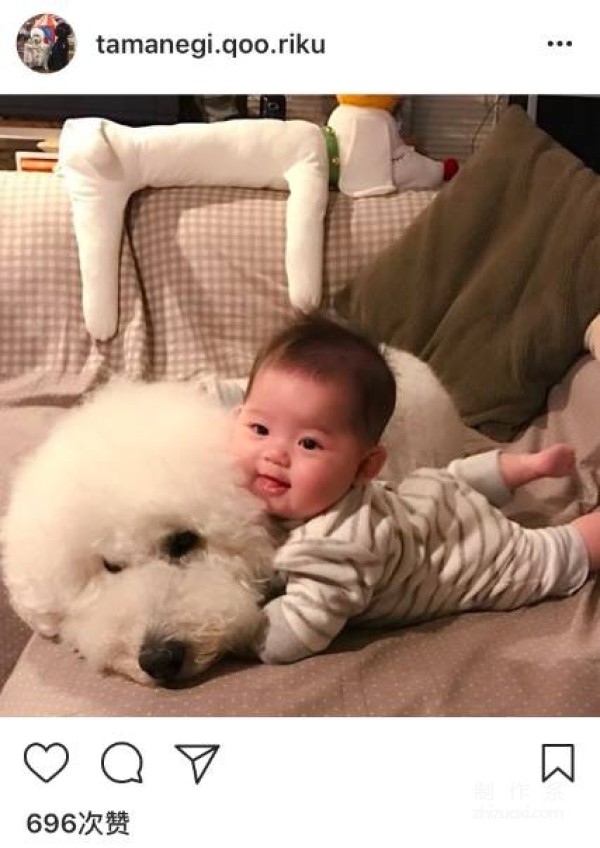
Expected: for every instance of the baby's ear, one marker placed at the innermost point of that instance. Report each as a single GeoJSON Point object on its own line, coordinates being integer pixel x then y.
{"type": "Point", "coordinates": [372, 463]}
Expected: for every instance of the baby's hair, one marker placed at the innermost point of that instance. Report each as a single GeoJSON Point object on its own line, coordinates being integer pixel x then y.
{"type": "Point", "coordinates": [328, 350]}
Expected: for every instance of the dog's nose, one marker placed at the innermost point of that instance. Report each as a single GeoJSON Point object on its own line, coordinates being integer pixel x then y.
{"type": "Point", "coordinates": [162, 660]}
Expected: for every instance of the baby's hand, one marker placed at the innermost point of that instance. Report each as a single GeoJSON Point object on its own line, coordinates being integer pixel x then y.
{"type": "Point", "coordinates": [274, 641]}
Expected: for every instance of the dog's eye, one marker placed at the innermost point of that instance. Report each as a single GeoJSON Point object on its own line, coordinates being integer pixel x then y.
{"type": "Point", "coordinates": [111, 567]}
{"type": "Point", "coordinates": [177, 545]}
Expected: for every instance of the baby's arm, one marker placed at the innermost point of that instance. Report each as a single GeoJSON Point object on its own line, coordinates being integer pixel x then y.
{"type": "Point", "coordinates": [297, 624]}
{"type": "Point", "coordinates": [321, 595]}
{"type": "Point", "coordinates": [275, 641]}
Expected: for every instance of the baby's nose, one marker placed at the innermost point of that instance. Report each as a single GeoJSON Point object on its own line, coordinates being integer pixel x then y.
{"type": "Point", "coordinates": [278, 455]}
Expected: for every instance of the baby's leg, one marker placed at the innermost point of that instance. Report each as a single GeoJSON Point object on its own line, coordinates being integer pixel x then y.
{"type": "Point", "coordinates": [519, 468]}
{"type": "Point", "coordinates": [589, 529]}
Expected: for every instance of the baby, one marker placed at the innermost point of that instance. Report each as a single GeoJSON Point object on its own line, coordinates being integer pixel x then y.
{"type": "Point", "coordinates": [306, 439]}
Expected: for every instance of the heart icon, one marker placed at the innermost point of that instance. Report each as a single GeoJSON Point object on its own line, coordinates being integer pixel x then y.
{"type": "Point", "coordinates": [46, 761]}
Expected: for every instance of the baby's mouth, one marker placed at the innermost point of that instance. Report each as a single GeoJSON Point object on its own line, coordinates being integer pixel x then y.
{"type": "Point", "coordinates": [267, 486]}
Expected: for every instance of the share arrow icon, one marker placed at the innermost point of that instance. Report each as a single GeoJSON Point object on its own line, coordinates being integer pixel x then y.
{"type": "Point", "coordinates": [200, 756]}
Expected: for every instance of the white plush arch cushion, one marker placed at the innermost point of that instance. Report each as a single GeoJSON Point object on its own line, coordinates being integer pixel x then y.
{"type": "Point", "coordinates": [103, 163]}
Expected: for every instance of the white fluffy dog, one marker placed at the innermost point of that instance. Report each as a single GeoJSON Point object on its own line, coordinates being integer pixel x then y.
{"type": "Point", "coordinates": [129, 537]}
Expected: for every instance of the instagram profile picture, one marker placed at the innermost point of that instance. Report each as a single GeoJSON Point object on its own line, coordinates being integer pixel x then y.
{"type": "Point", "coordinates": [46, 43]}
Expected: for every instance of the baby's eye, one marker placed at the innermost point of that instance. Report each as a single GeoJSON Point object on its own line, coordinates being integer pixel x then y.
{"type": "Point", "coordinates": [309, 444]}
{"type": "Point", "coordinates": [259, 429]}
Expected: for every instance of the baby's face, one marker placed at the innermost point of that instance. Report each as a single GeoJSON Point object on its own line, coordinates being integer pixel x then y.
{"type": "Point", "coordinates": [294, 443]}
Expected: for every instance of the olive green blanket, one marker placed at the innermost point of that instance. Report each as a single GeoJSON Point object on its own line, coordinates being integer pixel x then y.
{"type": "Point", "coordinates": [495, 283]}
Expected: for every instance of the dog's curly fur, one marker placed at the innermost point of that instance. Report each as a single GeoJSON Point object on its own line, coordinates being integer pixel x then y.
{"type": "Point", "coordinates": [128, 536]}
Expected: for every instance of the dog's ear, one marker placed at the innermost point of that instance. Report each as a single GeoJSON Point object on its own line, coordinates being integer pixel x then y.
{"type": "Point", "coordinates": [41, 602]}
{"type": "Point", "coordinates": [34, 612]}
{"type": "Point", "coordinates": [46, 624]}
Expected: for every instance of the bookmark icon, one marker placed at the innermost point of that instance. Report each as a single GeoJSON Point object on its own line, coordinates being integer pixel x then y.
{"type": "Point", "coordinates": [200, 756]}
{"type": "Point", "coordinates": [558, 759]}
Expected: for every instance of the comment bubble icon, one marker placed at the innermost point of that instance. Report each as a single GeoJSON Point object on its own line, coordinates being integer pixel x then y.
{"type": "Point", "coordinates": [122, 763]}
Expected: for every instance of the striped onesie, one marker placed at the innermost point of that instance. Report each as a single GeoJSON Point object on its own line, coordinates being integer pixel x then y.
{"type": "Point", "coordinates": [390, 555]}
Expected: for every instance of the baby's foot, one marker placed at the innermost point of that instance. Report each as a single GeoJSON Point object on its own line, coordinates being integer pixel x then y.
{"type": "Point", "coordinates": [520, 468]}
{"type": "Point", "coordinates": [556, 461]}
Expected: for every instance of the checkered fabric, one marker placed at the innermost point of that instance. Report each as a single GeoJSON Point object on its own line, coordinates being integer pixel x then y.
{"type": "Point", "coordinates": [202, 282]}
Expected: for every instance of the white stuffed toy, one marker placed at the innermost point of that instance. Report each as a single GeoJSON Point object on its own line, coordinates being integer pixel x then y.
{"type": "Point", "coordinates": [103, 163]}
{"type": "Point", "coordinates": [374, 158]}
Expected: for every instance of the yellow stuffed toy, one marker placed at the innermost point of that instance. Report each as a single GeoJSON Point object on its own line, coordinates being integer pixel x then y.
{"type": "Point", "coordinates": [374, 158]}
